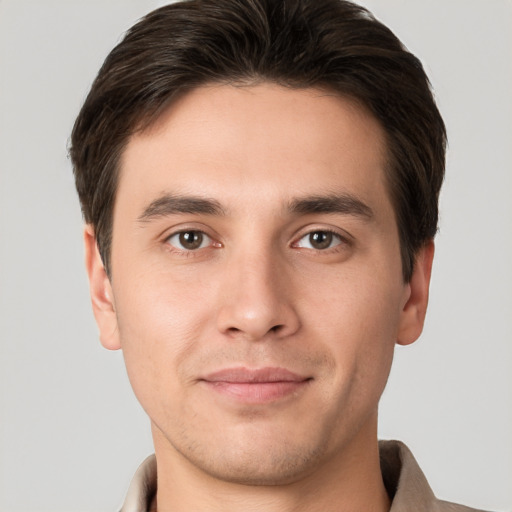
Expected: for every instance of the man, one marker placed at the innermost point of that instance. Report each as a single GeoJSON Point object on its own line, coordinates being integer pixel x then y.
{"type": "Point", "coordinates": [259, 181]}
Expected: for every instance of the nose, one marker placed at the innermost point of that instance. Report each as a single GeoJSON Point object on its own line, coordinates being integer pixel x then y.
{"type": "Point", "coordinates": [256, 302]}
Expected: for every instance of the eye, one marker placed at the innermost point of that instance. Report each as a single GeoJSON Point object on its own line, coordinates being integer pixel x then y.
{"type": "Point", "coordinates": [319, 240]}
{"type": "Point", "coordinates": [189, 240]}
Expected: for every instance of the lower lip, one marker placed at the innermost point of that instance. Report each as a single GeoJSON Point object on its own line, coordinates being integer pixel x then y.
{"type": "Point", "coordinates": [257, 392]}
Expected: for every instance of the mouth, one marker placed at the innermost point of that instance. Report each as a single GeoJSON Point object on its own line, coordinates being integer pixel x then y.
{"type": "Point", "coordinates": [256, 386]}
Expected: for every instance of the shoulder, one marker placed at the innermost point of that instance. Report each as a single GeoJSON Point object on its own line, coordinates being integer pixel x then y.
{"type": "Point", "coordinates": [406, 484]}
{"type": "Point", "coordinates": [445, 506]}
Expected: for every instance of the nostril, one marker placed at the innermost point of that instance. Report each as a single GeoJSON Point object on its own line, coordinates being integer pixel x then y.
{"type": "Point", "coordinates": [256, 319]}
{"type": "Point", "coordinates": [276, 329]}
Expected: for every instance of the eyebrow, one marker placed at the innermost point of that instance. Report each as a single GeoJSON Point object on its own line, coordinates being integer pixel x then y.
{"type": "Point", "coordinates": [345, 204]}
{"type": "Point", "coordinates": [169, 204]}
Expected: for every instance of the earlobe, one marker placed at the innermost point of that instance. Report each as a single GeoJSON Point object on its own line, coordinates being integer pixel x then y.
{"type": "Point", "coordinates": [101, 293]}
{"type": "Point", "coordinates": [415, 307]}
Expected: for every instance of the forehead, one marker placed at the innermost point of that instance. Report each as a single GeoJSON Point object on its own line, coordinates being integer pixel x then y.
{"type": "Point", "coordinates": [263, 141]}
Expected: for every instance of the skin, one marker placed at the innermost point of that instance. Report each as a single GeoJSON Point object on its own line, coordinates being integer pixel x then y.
{"type": "Point", "coordinates": [259, 292]}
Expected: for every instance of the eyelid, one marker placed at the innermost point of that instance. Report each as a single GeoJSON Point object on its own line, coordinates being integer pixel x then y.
{"type": "Point", "coordinates": [176, 231]}
{"type": "Point", "coordinates": [345, 238]}
{"type": "Point", "coordinates": [206, 240]}
{"type": "Point", "coordinates": [183, 227]}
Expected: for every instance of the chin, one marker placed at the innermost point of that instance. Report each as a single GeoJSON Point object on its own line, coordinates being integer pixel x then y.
{"type": "Point", "coordinates": [258, 463]}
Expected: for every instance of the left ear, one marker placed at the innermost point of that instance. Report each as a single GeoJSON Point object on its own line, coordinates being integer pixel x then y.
{"type": "Point", "coordinates": [415, 308]}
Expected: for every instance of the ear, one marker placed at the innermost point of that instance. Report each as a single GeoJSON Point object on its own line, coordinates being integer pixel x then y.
{"type": "Point", "coordinates": [415, 304]}
{"type": "Point", "coordinates": [101, 293]}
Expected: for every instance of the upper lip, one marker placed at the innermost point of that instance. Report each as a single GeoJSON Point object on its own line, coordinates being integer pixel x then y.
{"type": "Point", "coordinates": [258, 375]}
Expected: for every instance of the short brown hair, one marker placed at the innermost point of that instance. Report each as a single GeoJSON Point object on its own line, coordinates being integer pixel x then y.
{"type": "Point", "coordinates": [294, 43]}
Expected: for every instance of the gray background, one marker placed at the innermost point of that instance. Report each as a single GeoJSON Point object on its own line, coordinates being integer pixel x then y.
{"type": "Point", "coordinates": [71, 434]}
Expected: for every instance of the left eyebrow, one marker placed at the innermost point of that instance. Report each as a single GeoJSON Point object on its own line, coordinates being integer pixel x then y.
{"type": "Point", "coordinates": [345, 204]}
{"type": "Point", "coordinates": [170, 204]}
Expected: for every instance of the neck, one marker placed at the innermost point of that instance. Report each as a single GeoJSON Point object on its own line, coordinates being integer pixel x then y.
{"type": "Point", "coordinates": [351, 480]}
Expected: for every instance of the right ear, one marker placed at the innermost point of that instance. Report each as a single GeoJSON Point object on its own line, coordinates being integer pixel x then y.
{"type": "Point", "coordinates": [102, 297]}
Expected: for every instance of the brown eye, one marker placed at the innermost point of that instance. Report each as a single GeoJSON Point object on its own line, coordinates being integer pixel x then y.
{"type": "Point", "coordinates": [189, 240]}
{"type": "Point", "coordinates": [320, 240]}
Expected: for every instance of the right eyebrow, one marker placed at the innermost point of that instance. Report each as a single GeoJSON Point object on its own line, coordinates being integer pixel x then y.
{"type": "Point", "coordinates": [169, 204]}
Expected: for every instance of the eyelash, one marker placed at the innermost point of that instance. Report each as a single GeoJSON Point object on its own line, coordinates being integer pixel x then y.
{"type": "Point", "coordinates": [343, 241]}
{"type": "Point", "coordinates": [183, 250]}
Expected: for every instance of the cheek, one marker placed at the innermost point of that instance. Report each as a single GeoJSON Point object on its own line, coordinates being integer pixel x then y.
{"type": "Point", "coordinates": [160, 303]}
{"type": "Point", "coordinates": [358, 316]}
{"type": "Point", "coordinates": [359, 302]}
{"type": "Point", "coordinates": [159, 322]}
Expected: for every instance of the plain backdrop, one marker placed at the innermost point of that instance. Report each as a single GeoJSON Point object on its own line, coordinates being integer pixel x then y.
{"type": "Point", "coordinates": [71, 433]}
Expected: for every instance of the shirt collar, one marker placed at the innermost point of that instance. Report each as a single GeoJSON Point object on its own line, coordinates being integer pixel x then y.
{"type": "Point", "coordinates": [405, 482]}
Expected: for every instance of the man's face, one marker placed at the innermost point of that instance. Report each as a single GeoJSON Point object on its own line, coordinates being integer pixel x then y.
{"type": "Point", "coordinates": [257, 288]}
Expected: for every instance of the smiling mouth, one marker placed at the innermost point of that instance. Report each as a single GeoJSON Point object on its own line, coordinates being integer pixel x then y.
{"type": "Point", "coordinates": [256, 386]}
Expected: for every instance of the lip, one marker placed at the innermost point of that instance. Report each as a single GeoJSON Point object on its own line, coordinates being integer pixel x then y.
{"type": "Point", "coordinates": [256, 386]}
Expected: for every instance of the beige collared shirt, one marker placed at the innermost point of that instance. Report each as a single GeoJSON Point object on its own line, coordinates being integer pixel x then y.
{"type": "Point", "coordinates": [405, 482]}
